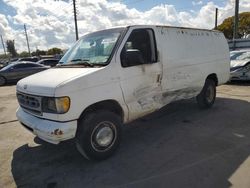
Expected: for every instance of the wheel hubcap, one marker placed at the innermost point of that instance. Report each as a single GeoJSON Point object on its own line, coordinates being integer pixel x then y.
{"type": "Point", "coordinates": [104, 136]}
{"type": "Point", "coordinates": [210, 94]}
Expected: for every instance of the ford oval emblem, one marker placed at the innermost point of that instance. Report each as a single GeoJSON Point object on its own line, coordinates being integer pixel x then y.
{"type": "Point", "coordinates": [25, 86]}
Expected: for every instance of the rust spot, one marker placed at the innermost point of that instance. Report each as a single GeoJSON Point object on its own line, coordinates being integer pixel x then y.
{"type": "Point", "coordinates": [57, 132]}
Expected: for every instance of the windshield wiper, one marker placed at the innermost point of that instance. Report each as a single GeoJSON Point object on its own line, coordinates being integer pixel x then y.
{"type": "Point", "coordinates": [81, 62]}
{"type": "Point", "coordinates": [85, 60]}
{"type": "Point", "coordinates": [76, 62]}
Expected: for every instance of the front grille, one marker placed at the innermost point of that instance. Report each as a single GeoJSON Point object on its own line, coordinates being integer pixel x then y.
{"type": "Point", "coordinates": [30, 103]}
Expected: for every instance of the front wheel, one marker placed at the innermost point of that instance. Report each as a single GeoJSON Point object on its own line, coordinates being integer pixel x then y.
{"type": "Point", "coordinates": [207, 95]}
{"type": "Point", "coordinates": [98, 135]}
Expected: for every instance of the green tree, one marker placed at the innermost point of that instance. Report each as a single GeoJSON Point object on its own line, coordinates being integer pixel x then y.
{"type": "Point", "coordinates": [3, 56]}
{"type": "Point", "coordinates": [244, 23]}
{"type": "Point", "coordinates": [33, 53]}
{"type": "Point", "coordinates": [54, 51]}
{"type": "Point", "coordinates": [24, 54]}
{"type": "Point", "coordinates": [243, 28]}
{"type": "Point", "coordinates": [38, 52]}
{"type": "Point", "coordinates": [10, 45]}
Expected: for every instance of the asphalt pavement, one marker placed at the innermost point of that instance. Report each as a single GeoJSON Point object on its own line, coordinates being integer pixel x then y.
{"type": "Point", "coordinates": [178, 146]}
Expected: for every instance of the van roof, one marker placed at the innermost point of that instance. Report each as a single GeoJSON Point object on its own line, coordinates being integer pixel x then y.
{"type": "Point", "coordinates": [167, 26]}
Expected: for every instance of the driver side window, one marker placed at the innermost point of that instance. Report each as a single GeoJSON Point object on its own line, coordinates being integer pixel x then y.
{"type": "Point", "coordinates": [140, 48]}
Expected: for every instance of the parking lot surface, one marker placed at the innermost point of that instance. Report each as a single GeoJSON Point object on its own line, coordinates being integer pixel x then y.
{"type": "Point", "coordinates": [178, 146]}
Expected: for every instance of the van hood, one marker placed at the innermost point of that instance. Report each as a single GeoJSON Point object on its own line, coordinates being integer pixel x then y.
{"type": "Point", "coordinates": [239, 63]}
{"type": "Point", "coordinates": [46, 82]}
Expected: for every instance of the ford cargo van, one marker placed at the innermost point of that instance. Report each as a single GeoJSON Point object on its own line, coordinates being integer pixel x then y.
{"type": "Point", "coordinates": [111, 77]}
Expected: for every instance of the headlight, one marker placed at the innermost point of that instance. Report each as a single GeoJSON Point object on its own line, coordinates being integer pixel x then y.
{"type": "Point", "coordinates": [58, 105]}
{"type": "Point", "coordinates": [247, 67]}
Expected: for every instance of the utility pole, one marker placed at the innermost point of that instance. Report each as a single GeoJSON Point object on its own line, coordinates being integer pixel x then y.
{"type": "Point", "coordinates": [216, 18]}
{"type": "Point", "coordinates": [236, 20]}
{"type": "Point", "coordinates": [76, 28]}
{"type": "Point", "coordinates": [3, 45]}
{"type": "Point", "coordinates": [27, 39]}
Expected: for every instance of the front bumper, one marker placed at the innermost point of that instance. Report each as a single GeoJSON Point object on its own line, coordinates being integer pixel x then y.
{"type": "Point", "coordinates": [50, 131]}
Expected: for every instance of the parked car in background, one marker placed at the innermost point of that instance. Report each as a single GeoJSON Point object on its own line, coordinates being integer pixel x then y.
{"type": "Point", "coordinates": [240, 65]}
{"type": "Point", "coordinates": [3, 64]}
{"type": "Point", "coordinates": [16, 71]}
{"type": "Point", "coordinates": [32, 59]}
{"type": "Point", "coordinates": [48, 62]}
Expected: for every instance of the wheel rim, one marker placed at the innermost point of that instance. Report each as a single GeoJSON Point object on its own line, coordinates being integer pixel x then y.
{"type": "Point", "coordinates": [210, 94]}
{"type": "Point", "coordinates": [103, 136]}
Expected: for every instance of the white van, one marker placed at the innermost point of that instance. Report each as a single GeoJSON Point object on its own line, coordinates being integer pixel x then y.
{"type": "Point", "coordinates": [111, 77]}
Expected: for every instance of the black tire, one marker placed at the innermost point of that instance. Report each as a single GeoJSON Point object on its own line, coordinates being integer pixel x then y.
{"type": "Point", "coordinates": [2, 81]}
{"type": "Point", "coordinates": [90, 136]}
{"type": "Point", "coordinates": [207, 95]}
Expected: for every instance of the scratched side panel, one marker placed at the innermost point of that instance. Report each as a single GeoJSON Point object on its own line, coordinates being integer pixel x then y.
{"type": "Point", "coordinates": [188, 57]}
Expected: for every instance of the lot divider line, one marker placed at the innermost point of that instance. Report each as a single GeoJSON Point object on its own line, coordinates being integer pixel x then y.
{"type": "Point", "coordinates": [5, 122]}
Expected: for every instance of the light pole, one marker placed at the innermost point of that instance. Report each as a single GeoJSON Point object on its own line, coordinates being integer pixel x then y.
{"type": "Point", "coordinates": [236, 20]}
{"type": "Point", "coordinates": [216, 18]}
{"type": "Point", "coordinates": [3, 45]}
{"type": "Point", "coordinates": [27, 39]}
{"type": "Point", "coordinates": [76, 28]}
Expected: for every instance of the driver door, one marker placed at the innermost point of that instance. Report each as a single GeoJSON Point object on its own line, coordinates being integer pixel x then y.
{"type": "Point", "coordinates": [141, 72]}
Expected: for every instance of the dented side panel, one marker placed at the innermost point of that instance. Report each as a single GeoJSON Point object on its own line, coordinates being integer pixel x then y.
{"type": "Point", "coordinates": [141, 89]}
{"type": "Point", "coordinates": [185, 58]}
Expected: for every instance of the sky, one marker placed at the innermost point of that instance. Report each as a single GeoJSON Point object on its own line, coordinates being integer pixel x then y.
{"type": "Point", "coordinates": [50, 23]}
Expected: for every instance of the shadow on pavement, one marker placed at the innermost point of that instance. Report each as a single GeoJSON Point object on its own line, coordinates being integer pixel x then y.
{"type": "Point", "coordinates": [179, 146]}
{"type": "Point", "coordinates": [239, 83]}
{"type": "Point", "coordinates": [9, 84]}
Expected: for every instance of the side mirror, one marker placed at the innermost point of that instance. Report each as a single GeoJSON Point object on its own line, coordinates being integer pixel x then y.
{"type": "Point", "coordinates": [133, 57]}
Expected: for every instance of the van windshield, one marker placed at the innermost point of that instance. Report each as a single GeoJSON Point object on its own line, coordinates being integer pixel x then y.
{"type": "Point", "coordinates": [93, 49]}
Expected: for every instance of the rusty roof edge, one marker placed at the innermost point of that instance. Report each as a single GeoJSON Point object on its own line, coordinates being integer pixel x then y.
{"type": "Point", "coordinates": [193, 28]}
{"type": "Point", "coordinates": [176, 27]}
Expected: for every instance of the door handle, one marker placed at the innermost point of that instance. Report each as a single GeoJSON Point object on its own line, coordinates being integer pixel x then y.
{"type": "Point", "coordinates": [158, 80]}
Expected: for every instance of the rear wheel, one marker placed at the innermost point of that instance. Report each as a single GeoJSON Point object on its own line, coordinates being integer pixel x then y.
{"type": "Point", "coordinates": [98, 135]}
{"type": "Point", "coordinates": [207, 96]}
{"type": "Point", "coordinates": [2, 81]}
